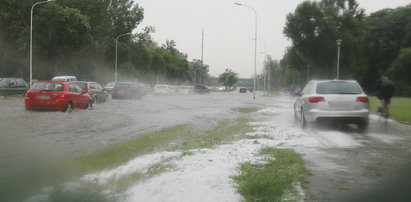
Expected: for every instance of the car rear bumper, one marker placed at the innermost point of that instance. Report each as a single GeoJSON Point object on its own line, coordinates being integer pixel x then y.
{"type": "Point", "coordinates": [51, 105]}
{"type": "Point", "coordinates": [315, 115]}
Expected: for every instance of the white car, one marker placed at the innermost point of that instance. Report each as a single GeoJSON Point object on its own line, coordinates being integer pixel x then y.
{"type": "Point", "coordinates": [336, 100]}
{"type": "Point", "coordinates": [163, 89]}
{"type": "Point", "coordinates": [185, 90]}
{"type": "Point", "coordinates": [64, 78]}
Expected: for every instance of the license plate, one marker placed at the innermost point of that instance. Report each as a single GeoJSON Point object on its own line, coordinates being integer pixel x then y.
{"type": "Point", "coordinates": [43, 97]}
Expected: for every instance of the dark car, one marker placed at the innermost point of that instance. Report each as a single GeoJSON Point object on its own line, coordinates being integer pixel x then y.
{"type": "Point", "coordinates": [127, 90]}
{"type": "Point", "coordinates": [109, 86]}
{"type": "Point", "coordinates": [201, 89]}
{"type": "Point", "coordinates": [243, 90]}
{"type": "Point", "coordinates": [97, 93]}
{"type": "Point", "coordinates": [57, 95]}
{"type": "Point", "coordinates": [13, 86]}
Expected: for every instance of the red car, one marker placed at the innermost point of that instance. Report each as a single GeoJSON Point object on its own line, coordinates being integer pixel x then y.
{"type": "Point", "coordinates": [57, 95]}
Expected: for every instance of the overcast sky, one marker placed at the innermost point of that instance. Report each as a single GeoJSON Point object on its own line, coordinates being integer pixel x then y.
{"type": "Point", "coordinates": [229, 29]}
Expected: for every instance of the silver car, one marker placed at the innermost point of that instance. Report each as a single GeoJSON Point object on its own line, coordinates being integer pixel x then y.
{"type": "Point", "coordinates": [336, 100]}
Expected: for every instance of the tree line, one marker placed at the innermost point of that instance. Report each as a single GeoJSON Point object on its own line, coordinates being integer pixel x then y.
{"type": "Point", "coordinates": [72, 37]}
{"type": "Point", "coordinates": [379, 42]}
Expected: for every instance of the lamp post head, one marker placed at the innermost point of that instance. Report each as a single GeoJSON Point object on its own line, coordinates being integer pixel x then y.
{"type": "Point", "coordinates": [51, 0]}
{"type": "Point", "coordinates": [339, 41]}
{"type": "Point", "coordinates": [238, 4]}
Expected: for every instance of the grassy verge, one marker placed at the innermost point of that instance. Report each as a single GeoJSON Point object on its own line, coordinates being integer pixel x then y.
{"type": "Point", "coordinates": [181, 137]}
{"type": "Point", "coordinates": [400, 108]}
{"type": "Point", "coordinates": [272, 93]}
{"type": "Point", "coordinates": [273, 180]}
{"type": "Point", "coordinates": [246, 109]}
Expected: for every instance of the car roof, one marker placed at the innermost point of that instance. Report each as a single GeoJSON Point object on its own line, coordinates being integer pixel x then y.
{"type": "Point", "coordinates": [62, 77]}
{"type": "Point", "coordinates": [51, 81]}
{"type": "Point", "coordinates": [323, 81]}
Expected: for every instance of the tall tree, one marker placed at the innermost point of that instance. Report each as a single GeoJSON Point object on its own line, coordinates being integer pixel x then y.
{"type": "Point", "coordinates": [314, 28]}
{"type": "Point", "coordinates": [228, 78]}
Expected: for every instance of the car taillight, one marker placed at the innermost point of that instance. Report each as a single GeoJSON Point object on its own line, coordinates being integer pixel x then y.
{"type": "Point", "coordinates": [316, 99]}
{"type": "Point", "coordinates": [113, 92]}
{"type": "Point", "coordinates": [362, 99]}
{"type": "Point", "coordinates": [62, 95]}
{"type": "Point", "coordinates": [27, 94]}
{"type": "Point", "coordinates": [89, 90]}
{"type": "Point", "coordinates": [130, 93]}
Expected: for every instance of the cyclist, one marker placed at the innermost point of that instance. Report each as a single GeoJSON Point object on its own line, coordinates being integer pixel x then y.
{"type": "Point", "coordinates": [385, 90]}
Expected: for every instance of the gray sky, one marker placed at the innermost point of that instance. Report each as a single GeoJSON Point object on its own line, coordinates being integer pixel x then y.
{"type": "Point", "coordinates": [229, 29]}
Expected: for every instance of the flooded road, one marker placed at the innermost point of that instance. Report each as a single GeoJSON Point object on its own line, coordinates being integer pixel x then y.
{"type": "Point", "coordinates": [34, 137]}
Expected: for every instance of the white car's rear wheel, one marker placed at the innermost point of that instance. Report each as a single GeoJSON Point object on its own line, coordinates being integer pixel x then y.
{"type": "Point", "coordinates": [303, 122]}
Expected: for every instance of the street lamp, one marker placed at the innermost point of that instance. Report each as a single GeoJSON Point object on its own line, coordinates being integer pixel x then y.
{"type": "Point", "coordinates": [264, 70]}
{"type": "Point", "coordinates": [255, 46]}
{"type": "Point", "coordinates": [338, 58]}
{"type": "Point", "coordinates": [31, 38]}
{"type": "Point", "coordinates": [115, 68]}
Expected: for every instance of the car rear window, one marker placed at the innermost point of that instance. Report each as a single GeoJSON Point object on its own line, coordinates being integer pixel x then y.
{"type": "Point", "coordinates": [82, 85]}
{"type": "Point", "coordinates": [48, 86]}
{"type": "Point", "coordinates": [122, 86]}
{"type": "Point", "coordinates": [336, 87]}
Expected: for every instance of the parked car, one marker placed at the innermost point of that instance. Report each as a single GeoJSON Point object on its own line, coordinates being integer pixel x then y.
{"type": "Point", "coordinates": [160, 89]}
{"type": "Point", "coordinates": [94, 89]}
{"type": "Point", "coordinates": [185, 90]}
{"type": "Point", "coordinates": [109, 86]}
{"type": "Point", "coordinates": [64, 78]}
{"type": "Point", "coordinates": [127, 90]}
{"type": "Point", "coordinates": [57, 95]}
{"type": "Point", "coordinates": [243, 90]}
{"type": "Point", "coordinates": [201, 89]}
{"type": "Point", "coordinates": [336, 100]}
{"type": "Point", "coordinates": [13, 86]}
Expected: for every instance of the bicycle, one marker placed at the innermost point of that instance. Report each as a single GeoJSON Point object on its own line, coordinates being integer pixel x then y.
{"type": "Point", "coordinates": [383, 111]}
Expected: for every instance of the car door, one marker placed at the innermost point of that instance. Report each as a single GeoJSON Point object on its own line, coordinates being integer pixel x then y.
{"type": "Point", "coordinates": [96, 90]}
{"type": "Point", "coordinates": [83, 97]}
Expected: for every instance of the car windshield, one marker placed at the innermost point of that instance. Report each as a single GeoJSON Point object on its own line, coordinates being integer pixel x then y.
{"type": "Point", "coordinates": [338, 88]}
{"type": "Point", "coordinates": [122, 86]}
{"type": "Point", "coordinates": [47, 86]}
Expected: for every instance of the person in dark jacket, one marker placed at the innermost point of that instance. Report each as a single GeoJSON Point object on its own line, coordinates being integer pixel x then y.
{"type": "Point", "coordinates": [385, 90]}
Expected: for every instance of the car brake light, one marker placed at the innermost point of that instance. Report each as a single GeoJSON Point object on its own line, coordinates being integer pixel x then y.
{"type": "Point", "coordinates": [27, 94]}
{"type": "Point", "coordinates": [89, 90]}
{"type": "Point", "coordinates": [130, 93]}
{"type": "Point", "coordinates": [362, 99]}
{"type": "Point", "coordinates": [113, 92]}
{"type": "Point", "coordinates": [316, 99]}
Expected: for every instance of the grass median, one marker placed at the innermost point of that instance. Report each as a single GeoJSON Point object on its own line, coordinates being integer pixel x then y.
{"type": "Point", "coordinates": [400, 108]}
{"type": "Point", "coordinates": [274, 179]}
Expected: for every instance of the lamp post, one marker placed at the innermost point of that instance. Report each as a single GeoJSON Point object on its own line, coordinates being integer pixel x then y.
{"type": "Point", "coordinates": [31, 38]}
{"type": "Point", "coordinates": [338, 58]}
{"type": "Point", "coordinates": [115, 68]}
{"type": "Point", "coordinates": [255, 45]}
{"type": "Point", "coordinates": [264, 70]}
